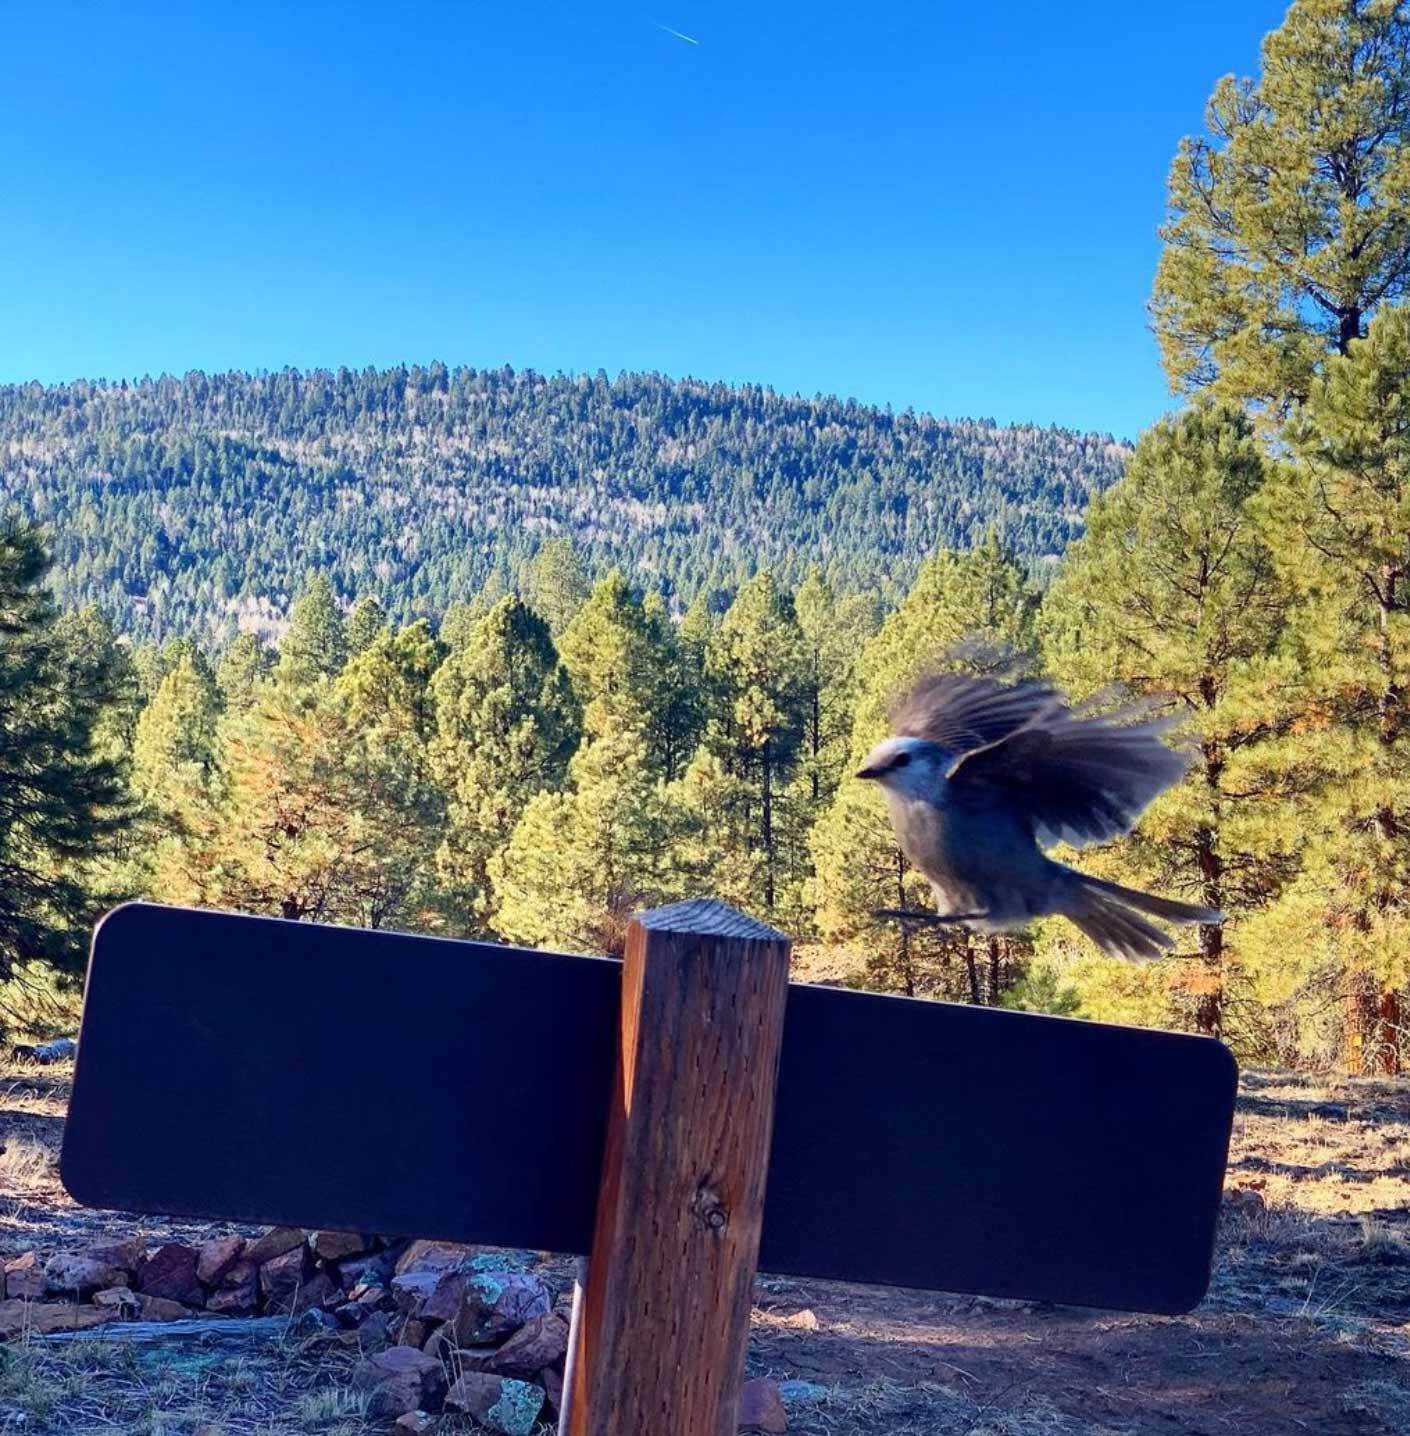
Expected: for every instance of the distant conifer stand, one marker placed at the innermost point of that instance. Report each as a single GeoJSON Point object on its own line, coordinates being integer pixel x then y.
{"type": "Point", "coordinates": [662, 1321]}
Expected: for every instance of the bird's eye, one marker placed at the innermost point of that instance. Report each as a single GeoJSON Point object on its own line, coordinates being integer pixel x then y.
{"type": "Point", "coordinates": [900, 760]}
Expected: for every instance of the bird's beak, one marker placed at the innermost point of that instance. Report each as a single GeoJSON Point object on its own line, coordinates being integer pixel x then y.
{"type": "Point", "coordinates": [872, 770]}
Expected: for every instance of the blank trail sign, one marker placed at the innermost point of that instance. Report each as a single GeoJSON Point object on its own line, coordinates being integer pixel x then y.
{"type": "Point", "coordinates": [257, 1070]}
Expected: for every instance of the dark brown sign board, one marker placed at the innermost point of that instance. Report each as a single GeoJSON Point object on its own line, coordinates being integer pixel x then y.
{"type": "Point", "coordinates": [250, 1069]}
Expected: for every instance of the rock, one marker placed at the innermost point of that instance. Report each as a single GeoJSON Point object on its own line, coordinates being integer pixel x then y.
{"type": "Point", "coordinates": [364, 1270]}
{"type": "Point", "coordinates": [805, 1320]}
{"type": "Point", "coordinates": [281, 1277]}
{"type": "Point", "coordinates": [415, 1423]}
{"type": "Point", "coordinates": [475, 1358]}
{"type": "Point", "coordinates": [410, 1289]}
{"type": "Point", "coordinates": [24, 1277]}
{"type": "Point", "coordinates": [128, 1254]}
{"type": "Point", "coordinates": [499, 1402]}
{"type": "Point", "coordinates": [58, 1050]}
{"type": "Point", "coordinates": [399, 1380]}
{"type": "Point", "coordinates": [552, 1384]}
{"type": "Point", "coordinates": [353, 1313]}
{"type": "Point", "coordinates": [74, 1274]}
{"type": "Point", "coordinates": [497, 1304]}
{"type": "Point", "coordinates": [433, 1257]}
{"type": "Point", "coordinates": [215, 1258]}
{"type": "Point", "coordinates": [333, 1246]}
{"type": "Point", "coordinates": [238, 1294]}
{"type": "Point", "coordinates": [375, 1334]}
{"type": "Point", "coordinates": [541, 1341]}
{"type": "Point", "coordinates": [274, 1243]}
{"type": "Point", "coordinates": [161, 1308]}
{"type": "Point", "coordinates": [801, 1393]}
{"type": "Point", "coordinates": [439, 1341]}
{"type": "Point", "coordinates": [38, 1318]}
{"type": "Point", "coordinates": [121, 1299]}
{"type": "Point", "coordinates": [444, 1299]}
{"type": "Point", "coordinates": [1244, 1202]}
{"type": "Point", "coordinates": [315, 1324]}
{"type": "Point", "coordinates": [170, 1272]}
{"type": "Point", "coordinates": [500, 1259]}
{"type": "Point", "coordinates": [761, 1407]}
{"type": "Point", "coordinates": [317, 1290]}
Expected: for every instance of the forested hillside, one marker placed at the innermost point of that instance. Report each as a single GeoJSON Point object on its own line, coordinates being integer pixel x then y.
{"type": "Point", "coordinates": [174, 502]}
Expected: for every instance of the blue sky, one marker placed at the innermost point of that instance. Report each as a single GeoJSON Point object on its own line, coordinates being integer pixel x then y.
{"type": "Point", "coordinates": [951, 207]}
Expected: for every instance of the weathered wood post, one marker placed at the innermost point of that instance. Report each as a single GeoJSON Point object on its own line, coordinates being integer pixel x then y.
{"type": "Point", "coordinates": [665, 1320]}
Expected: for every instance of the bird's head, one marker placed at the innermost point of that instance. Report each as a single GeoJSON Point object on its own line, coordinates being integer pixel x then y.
{"type": "Point", "coordinates": [907, 765]}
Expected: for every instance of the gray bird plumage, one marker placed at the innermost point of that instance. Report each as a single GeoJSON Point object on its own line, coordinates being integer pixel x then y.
{"type": "Point", "coordinates": [980, 775]}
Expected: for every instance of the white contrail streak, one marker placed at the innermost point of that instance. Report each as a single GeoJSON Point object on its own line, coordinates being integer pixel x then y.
{"type": "Point", "coordinates": [689, 39]}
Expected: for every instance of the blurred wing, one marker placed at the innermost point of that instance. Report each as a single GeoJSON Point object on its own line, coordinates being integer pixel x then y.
{"type": "Point", "coordinates": [1076, 778]}
{"type": "Point", "coordinates": [961, 712]}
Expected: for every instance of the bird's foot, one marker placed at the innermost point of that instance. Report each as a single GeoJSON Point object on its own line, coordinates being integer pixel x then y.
{"type": "Point", "coordinates": [927, 919]}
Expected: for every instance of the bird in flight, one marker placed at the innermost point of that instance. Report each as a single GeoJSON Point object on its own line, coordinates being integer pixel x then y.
{"type": "Point", "coordinates": [689, 39]}
{"type": "Point", "coordinates": [981, 775]}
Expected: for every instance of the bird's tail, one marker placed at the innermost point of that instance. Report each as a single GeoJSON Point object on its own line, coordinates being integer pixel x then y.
{"type": "Point", "coordinates": [1111, 916]}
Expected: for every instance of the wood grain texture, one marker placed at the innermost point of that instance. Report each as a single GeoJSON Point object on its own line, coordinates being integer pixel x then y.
{"type": "Point", "coordinates": [660, 1347]}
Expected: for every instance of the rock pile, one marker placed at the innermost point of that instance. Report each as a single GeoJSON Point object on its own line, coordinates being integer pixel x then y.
{"type": "Point", "coordinates": [440, 1326]}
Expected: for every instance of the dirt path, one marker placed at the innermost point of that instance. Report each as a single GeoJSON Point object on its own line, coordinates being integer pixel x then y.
{"type": "Point", "coordinates": [1306, 1328]}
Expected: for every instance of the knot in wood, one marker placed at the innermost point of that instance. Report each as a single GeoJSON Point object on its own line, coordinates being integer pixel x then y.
{"type": "Point", "coordinates": [709, 1208]}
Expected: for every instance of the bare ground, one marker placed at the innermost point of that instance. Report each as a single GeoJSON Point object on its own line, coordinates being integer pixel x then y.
{"type": "Point", "coordinates": [1306, 1327]}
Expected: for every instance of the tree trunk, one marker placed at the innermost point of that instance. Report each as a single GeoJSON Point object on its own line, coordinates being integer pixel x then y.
{"type": "Point", "coordinates": [972, 967]}
{"type": "Point", "coordinates": [995, 945]}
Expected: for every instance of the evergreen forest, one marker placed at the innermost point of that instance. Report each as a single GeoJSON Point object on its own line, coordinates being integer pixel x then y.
{"type": "Point", "coordinates": [505, 656]}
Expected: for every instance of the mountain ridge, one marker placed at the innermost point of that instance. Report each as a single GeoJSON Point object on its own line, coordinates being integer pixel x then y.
{"type": "Point", "coordinates": [184, 503]}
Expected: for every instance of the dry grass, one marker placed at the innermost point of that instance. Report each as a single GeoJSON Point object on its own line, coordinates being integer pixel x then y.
{"type": "Point", "coordinates": [1306, 1328]}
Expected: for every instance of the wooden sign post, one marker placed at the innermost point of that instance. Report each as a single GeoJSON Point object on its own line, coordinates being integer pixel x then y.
{"type": "Point", "coordinates": [680, 1115]}
{"type": "Point", "coordinates": [665, 1319]}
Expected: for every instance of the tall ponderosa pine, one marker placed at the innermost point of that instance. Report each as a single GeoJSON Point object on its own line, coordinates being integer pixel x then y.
{"type": "Point", "coordinates": [315, 644]}
{"type": "Point", "coordinates": [365, 624]}
{"type": "Point", "coordinates": [1289, 223]}
{"type": "Point", "coordinates": [610, 656]}
{"type": "Point", "coordinates": [583, 860]}
{"type": "Point", "coordinates": [756, 657]}
{"type": "Point", "coordinates": [61, 799]}
{"type": "Point", "coordinates": [835, 629]}
{"type": "Point", "coordinates": [1339, 519]}
{"type": "Point", "coordinates": [859, 868]}
{"type": "Point", "coordinates": [507, 723]}
{"type": "Point", "coordinates": [1174, 594]}
{"type": "Point", "coordinates": [242, 667]}
{"type": "Point", "coordinates": [554, 583]}
{"type": "Point", "coordinates": [324, 808]}
{"type": "Point", "coordinates": [173, 752]}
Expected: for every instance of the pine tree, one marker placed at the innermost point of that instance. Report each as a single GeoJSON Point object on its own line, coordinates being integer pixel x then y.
{"type": "Point", "coordinates": [1339, 520]}
{"type": "Point", "coordinates": [507, 723]}
{"type": "Point", "coordinates": [63, 802]}
{"type": "Point", "coordinates": [243, 666]}
{"type": "Point", "coordinates": [554, 583]}
{"type": "Point", "coordinates": [101, 674]}
{"type": "Point", "coordinates": [609, 653]}
{"type": "Point", "coordinates": [679, 697]}
{"type": "Point", "coordinates": [173, 752]}
{"type": "Point", "coordinates": [323, 806]}
{"type": "Point", "coordinates": [366, 623]}
{"type": "Point", "coordinates": [835, 629]}
{"type": "Point", "coordinates": [1173, 594]}
{"type": "Point", "coordinates": [582, 861]}
{"type": "Point", "coordinates": [315, 645]}
{"type": "Point", "coordinates": [859, 870]}
{"type": "Point", "coordinates": [1289, 223]}
{"type": "Point", "coordinates": [756, 656]}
